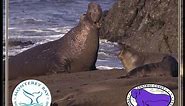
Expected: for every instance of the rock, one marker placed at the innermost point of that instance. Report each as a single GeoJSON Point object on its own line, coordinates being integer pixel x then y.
{"type": "Point", "coordinates": [19, 43]}
{"type": "Point", "coordinates": [145, 25]}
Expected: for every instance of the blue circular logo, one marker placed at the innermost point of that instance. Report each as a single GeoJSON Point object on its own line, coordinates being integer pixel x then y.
{"type": "Point", "coordinates": [31, 93]}
{"type": "Point", "coordinates": [150, 95]}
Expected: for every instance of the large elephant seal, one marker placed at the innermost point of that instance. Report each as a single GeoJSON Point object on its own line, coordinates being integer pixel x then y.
{"type": "Point", "coordinates": [131, 58]}
{"type": "Point", "coordinates": [167, 67]}
{"type": "Point", "coordinates": [76, 51]}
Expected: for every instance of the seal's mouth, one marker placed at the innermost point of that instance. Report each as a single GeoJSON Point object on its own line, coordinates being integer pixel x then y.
{"type": "Point", "coordinates": [99, 21]}
{"type": "Point", "coordinates": [98, 24]}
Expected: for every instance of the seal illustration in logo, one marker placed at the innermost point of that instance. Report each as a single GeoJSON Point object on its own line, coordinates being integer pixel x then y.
{"type": "Point", "coordinates": [31, 93]}
{"type": "Point", "coordinates": [150, 95]}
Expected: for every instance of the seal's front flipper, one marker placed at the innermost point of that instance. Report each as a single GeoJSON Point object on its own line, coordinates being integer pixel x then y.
{"type": "Point", "coordinates": [67, 65]}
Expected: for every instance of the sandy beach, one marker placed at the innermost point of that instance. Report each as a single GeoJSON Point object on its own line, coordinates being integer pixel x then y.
{"type": "Point", "coordinates": [94, 88]}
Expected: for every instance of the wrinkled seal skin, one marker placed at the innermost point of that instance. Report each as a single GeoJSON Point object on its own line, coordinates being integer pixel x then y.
{"type": "Point", "coordinates": [76, 51]}
{"type": "Point", "coordinates": [167, 67]}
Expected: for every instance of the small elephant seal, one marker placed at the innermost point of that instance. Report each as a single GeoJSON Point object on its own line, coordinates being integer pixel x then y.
{"type": "Point", "coordinates": [131, 58]}
{"type": "Point", "coordinates": [167, 67]}
{"type": "Point", "coordinates": [76, 51]}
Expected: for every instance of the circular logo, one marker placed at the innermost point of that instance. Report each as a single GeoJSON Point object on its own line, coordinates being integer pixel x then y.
{"type": "Point", "coordinates": [31, 93]}
{"type": "Point", "coordinates": [150, 95]}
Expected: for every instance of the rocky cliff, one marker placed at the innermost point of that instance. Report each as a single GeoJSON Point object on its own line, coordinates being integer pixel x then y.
{"type": "Point", "coordinates": [146, 25]}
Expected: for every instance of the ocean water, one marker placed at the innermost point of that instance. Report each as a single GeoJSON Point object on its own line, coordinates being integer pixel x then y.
{"type": "Point", "coordinates": [40, 21]}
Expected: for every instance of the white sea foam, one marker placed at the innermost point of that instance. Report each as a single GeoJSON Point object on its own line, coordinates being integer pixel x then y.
{"type": "Point", "coordinates": [35, 37]}
{"type": "Point", "coordinates": [12, 28]}
{"type": "Point", "coordinates": [107, 67]}
{"type": "Point", "coordinates": [63, 29]}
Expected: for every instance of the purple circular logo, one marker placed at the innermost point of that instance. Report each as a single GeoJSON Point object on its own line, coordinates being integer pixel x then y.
{"type": "Point", "coordinates": [150, 95]}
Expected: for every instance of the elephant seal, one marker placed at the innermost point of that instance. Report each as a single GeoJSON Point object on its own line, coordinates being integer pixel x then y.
{"type": "Point", "coordinates": [131, 58]}
{"type": "Point", "coordinates": [74, 52]}
{"type": "Point", "coordinates": [167, 67]}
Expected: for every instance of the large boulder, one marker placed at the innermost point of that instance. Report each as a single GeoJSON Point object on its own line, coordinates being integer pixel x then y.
{"type": "Point", "coordinates": [146, 25]}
